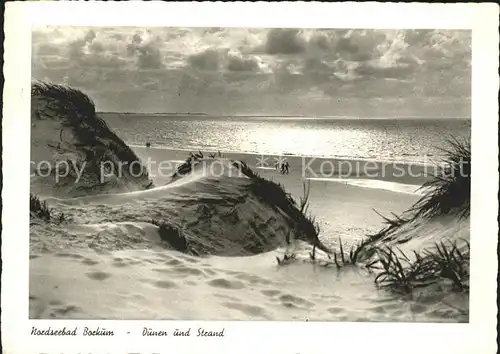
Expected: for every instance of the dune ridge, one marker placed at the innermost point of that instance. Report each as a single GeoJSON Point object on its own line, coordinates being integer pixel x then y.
{"type": "Point", "coordinates": [217, 215]}
{"type": "Point", "coordinates": [68, 138]}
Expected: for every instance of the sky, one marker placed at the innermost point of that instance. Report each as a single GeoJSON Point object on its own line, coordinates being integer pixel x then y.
{"type": "Point", "coordinates": [226, 71]}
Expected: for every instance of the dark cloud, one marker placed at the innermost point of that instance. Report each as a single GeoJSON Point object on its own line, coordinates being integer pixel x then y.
{"type": "Point", "coordinates": [147, 52]}
{"type": "Point", "coordinates": [359, 46]}
{"type": "Point", "coordinates": [47, 49]}
{"type": "Point", "coordinates": [136, 38]}
{"type": "Point", "coordinates": [242, 64]}
{"type": "Point", "coordinates": [89, 36]}
{"type": "Point", "coordinates": [96, 47]}
{"type": "Point", "coordinates": [418, 37]}
{"type": "Point", "coordinates": [320, 41]}
{"type": "Point", "coordinates": [377, 72]}
{"type": "Point", "coordinates": [207, 60]}
{"type": "Point", "coordinates": [148, 57]}
{"type": "Point", "coordinates": [284, 41]}
{"type": "Point", "coordinates": [215, 60]}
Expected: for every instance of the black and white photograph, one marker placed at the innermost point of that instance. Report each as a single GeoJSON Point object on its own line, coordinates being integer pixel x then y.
{"type": "Point", "coordinates": [287, 177]}
{"type": "Point", "coordinates": [270, 174]}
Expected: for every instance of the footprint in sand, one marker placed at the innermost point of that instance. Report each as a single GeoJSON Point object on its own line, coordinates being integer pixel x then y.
{"type": "Point", "coordinates": [98, 275]}
{"type": "Point", "coordinates": [210, 272]}
{"type": "Point", "coordinates": [252, 279]}
{"type": "Point", "coordinates": [249, 310]}
{"type": "Point", "coordinates": [69, 255]}
{"type": "Point", "coordinates": [173, 262]}
{"type": "Point", "coordinates": [124, 262]}
{"type": "Point", "coordinates": [63, 311]}
{"type": "Point", "coordinates": [181, 271]}
{"type": "Point", "coordinates": [120, 264]}
{"type": "Point", "coordinates": [189, 259]}
{"type": "Point", "coordinates": [270, 292]}
{"type": "Point", "coordinates": [188, 271]}
{"type": "Point", "coordinates": [226, 284]}
{"type": "Point", "coordinates": [295, 300]}
{"type": "Point", "coordinates": [165, 284]}
{"type": "Point", "coordinates": [417, 308]}
{"type": "Point", "coordinates": [227, 297]}
{"type": "Point", "coordinates": [377, 309]}
{"type": "Point", "coordinates": [89, 262]}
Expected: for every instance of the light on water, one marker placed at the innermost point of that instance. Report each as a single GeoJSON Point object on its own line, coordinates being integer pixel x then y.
{"type": "Point", "coordinates": [407, 140]}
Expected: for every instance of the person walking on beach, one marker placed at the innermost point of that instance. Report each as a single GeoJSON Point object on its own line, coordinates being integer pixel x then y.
{"type": "Point", "coordinates": [287, 166]}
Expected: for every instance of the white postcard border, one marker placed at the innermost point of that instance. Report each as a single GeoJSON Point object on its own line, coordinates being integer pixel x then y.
{"type": "Point", "coordinates": [251, 337]}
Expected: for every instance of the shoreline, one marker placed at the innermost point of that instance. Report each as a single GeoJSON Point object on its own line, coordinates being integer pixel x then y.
{"type": "Point", "coordinates": [311, 167]}
{"type": "Point", "coordinates": [431, 163]}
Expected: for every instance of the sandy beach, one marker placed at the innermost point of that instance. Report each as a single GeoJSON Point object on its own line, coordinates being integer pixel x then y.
{"type": "Point", "coordinates": [125, 272]}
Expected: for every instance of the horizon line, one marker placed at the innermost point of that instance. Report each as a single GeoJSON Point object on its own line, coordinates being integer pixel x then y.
{"type": "Point", "coordinates": [204, 114]}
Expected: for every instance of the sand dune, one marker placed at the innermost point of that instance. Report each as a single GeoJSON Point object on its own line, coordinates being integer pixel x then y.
{"type": "Point", "coordinates": [68, 142]}
{"type": "Point", "coordinates": [204, 244]}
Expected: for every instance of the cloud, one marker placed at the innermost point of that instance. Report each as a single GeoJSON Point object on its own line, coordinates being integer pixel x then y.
{"type": "Point", "coordinates": [238, 63]}
{"type": "Point", "coordinates": [47, 49]}
{"type": "Point", "coordinates": [271, 69]}
{"type": "Point", "coordinates": [284, 41]}
{"type": "Point", "coordinates": [146, 51]}
{"type": "Point", "coordinates": [207, 60]}
{"type": "Point", "coordinates": [223, 60]}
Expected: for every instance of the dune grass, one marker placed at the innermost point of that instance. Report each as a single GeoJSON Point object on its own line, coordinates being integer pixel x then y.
{"type": "Point", "coordinates": [41, 210]}
{"type": "Point", "coordinates": [94, 135]}
{"type": "Point", "coordinates": [276, 196]}
{"type": "Point", "coordinates": [172, 235]}
{"type": "Point", "coordinates": [401, 273]}
{"type": "Point", "coordinates": [449, 190]}
{"type": "Point", "coordinates": [192, 160]}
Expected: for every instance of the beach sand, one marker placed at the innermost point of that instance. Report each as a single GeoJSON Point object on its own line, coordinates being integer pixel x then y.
{"type": "Point", "coordinates": [130, 276]}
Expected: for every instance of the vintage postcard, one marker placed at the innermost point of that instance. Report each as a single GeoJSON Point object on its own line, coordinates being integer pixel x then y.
{"type": "Point", "coordinates": [255, 175]}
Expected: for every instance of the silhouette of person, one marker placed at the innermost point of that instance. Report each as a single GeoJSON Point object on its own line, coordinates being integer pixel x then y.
{"type": "Point", "coordinates": [287, 166]}
{"type": "Point", "coordinates": [148, 144]}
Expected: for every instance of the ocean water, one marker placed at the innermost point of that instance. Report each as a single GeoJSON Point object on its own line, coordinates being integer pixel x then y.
{"type": "Point", "coordinates": [404, 140]}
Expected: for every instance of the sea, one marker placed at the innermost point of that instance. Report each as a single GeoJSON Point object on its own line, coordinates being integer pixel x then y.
{"type": "Point", "coordinates": [409, 140]}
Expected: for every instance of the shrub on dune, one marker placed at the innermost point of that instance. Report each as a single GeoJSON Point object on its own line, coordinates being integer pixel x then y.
{"type": "Point", "coordinates": [172, 235]}
{"type": "Point", "coordinates": [271, 193]}
{"type": "Point", "coordinates": [449, 190]}
{"type": "Point", "coordinates": [443, 261]}
{"type": "Point", "coordinates": [41, 210]}
{"type": "Point", "coordinates": [276, 196]}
